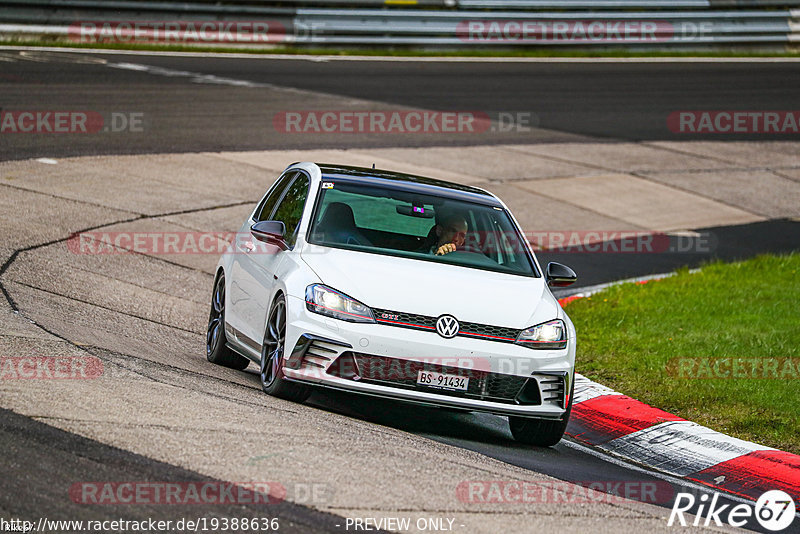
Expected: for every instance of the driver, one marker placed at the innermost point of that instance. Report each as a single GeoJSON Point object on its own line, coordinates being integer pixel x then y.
{"type": "Point", "coordinates": [451, 232]}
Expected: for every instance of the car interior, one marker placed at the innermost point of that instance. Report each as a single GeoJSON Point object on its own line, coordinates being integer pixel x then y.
{"type": "Point", "coordinates": [488, 246]}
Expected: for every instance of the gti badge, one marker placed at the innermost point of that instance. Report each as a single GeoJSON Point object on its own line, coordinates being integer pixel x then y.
{"type": "Point", "coordinates": [447, 326]}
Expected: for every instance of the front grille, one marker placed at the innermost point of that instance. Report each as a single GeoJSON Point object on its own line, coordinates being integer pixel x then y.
{"type": "Point", "coordinates": [483, 385]}
{"type": "Point", "coordinates": [496, 333]}
{"type": "Point", "coordinates": [407, 320]}
{"type": "Point", "coordinates": [425, 322]}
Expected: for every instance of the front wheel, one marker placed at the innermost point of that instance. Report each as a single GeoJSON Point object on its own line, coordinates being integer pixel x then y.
{"type": "Point", "coordinates": [273, 381]}
{"type": "Point", "coordinates": [540, 432]}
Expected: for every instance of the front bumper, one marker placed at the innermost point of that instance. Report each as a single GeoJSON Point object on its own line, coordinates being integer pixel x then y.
{"type": "Point", "coordinates": [383, 361]}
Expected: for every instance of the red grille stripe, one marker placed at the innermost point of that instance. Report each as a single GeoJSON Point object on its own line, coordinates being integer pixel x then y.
{"type": "Point", "coordinates": [406, 324]}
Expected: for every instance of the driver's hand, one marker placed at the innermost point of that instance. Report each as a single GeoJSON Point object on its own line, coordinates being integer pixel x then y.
{"type": "Point", "coordinates": [447, 248]}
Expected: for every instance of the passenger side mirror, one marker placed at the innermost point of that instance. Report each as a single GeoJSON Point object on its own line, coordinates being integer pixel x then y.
{"type": "Point", "coordinates": [559, 275]}
{"type": "Point", "coordinates": [271, 232]}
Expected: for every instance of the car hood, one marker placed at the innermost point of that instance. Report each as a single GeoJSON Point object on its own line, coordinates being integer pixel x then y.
{"type": "Point", "coordinates": [432, 289]}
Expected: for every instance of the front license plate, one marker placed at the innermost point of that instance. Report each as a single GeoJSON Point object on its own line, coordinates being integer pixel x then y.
{"type": "Point", "coordinates": [442, 381]}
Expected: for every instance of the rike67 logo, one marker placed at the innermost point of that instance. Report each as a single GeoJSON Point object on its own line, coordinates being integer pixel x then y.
{"type": "Point", "coordinates": [774, 511]}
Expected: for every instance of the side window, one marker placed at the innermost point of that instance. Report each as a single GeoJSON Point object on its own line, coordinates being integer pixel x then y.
{"type": "Point", "coordinates": [265, 209]}
{"type": "Point", "coordinates": [290, 209]}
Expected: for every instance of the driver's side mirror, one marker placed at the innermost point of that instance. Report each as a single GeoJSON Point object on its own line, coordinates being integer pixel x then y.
{"type": "Point", "coordinates": [559, 275]}
{"type": "Point", "coordinates": [271, 232]}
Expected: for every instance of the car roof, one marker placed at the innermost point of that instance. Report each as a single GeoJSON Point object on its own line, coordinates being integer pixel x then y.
{"type": "Point", "coordinates": [408, 182]}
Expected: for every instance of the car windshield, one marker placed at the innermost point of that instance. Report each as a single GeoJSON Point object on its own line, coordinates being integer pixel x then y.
{"type": "Point", "coordinates": [383, 220]}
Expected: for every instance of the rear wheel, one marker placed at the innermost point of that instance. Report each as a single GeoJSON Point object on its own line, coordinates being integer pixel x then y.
{"type": "Point", "coordinates": [217, 350]}
{"type": "Point", "coordinates": [273, 381]}
{"type": "Point", "coordinates": [540, 432]}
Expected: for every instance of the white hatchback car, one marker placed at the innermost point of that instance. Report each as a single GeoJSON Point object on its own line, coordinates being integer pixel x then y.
{"type": "Point", "coordinates": [397, 286]}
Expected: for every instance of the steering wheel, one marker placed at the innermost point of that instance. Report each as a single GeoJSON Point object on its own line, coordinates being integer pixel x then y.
{"type": "Point", "coordinates": [469, 247]}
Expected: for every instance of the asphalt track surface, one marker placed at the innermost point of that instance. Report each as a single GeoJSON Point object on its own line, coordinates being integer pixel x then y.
{"type": "Point", "coordinates": [616, 101]}
{"type": "Point", "coordinates": [63, 457]}
{"type": "Point", "coordinates": [195, 104]}
{"type": "Point", "coordinates": [726, 243]}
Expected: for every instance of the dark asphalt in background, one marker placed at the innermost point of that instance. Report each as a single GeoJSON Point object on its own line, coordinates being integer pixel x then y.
{"type": "Point", "coordinates": [612, 101]}
{"type": "Point", "coordinates": [726, 243]}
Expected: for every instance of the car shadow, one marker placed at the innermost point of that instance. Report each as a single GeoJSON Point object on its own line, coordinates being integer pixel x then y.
{"type": "Point", "coordinates": [480, 432]}
{"type": "Point", "coordinates": [409, 417]}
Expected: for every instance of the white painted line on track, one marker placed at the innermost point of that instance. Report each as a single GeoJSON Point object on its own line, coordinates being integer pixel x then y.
{"type": "Point", "coordinates": [195, 77]}
{"type": "Point", "coordinates": [410, 59]}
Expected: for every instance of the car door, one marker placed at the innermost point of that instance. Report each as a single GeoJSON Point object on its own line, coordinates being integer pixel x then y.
{"type": "Point", "coordinates": [259, 265]}
{"type": "Point", "coordinates": [241, 309]}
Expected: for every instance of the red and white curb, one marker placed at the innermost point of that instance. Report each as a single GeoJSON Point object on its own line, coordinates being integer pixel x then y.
{"type": "Point", "coordinates": [642, 434]}
{"type": "Point", "coordinates": [639, 433]}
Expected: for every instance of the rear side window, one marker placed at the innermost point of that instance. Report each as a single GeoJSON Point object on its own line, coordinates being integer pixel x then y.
{"type": "Point", "coordinates": [290, 208]}
{"type": "Point", "coordinates": [268, 204]}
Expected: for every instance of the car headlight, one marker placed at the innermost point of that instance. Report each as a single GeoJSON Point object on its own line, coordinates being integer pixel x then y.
{"type": "Point", "coordinates": [549, 335]}
{"type": "Point", "coordinates": [326, 301]}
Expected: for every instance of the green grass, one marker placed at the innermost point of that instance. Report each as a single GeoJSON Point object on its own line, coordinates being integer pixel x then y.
{"type": "Point", "coordinates": [631, 336]}
{"type": "Point", "coordinates": [60, 41]}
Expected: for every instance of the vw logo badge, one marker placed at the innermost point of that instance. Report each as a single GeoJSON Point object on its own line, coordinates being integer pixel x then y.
{"type": "Point", "coordinates": [447, 326]}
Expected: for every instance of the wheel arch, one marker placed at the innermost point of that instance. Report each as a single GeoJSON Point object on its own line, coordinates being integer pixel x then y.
{"type": "Point", "coordinates": [220, 271]}
{"type": "Point", "coordinates": [278, 291]}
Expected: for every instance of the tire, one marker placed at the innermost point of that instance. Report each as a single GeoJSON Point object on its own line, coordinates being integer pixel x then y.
{"type": "Point", "coordinates": [273, 381]}
{"type": "Point", "coordinates": [540, 432]}
{"type": "Point", "coordinates": [217, 350]}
